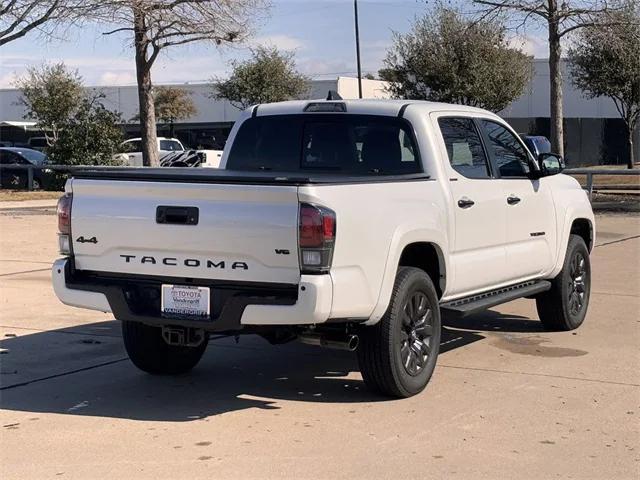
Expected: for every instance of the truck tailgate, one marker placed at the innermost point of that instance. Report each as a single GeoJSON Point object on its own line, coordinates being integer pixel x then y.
{"type": "Point", "coordinates": [243, 232]}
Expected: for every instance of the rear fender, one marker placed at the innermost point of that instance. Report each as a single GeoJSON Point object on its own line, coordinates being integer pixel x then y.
{"type": "Point", "coordinates": [402, 237]}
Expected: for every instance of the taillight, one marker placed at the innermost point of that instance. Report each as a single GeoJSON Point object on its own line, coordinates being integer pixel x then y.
{"type": "Point", "coordinates": [64, 223]}
{"type": "Point", "coordinates": [316, 238]}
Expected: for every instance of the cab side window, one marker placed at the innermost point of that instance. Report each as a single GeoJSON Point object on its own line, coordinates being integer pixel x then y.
{"type": "Point", "coordinates": [464, 147]}
{"type": "Point", "coordinates": [9, 158]}
{"type": "Point", "coordinates": [510, 155]}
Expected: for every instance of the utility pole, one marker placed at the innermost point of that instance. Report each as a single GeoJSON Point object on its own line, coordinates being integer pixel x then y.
{"type": "Point", "coordinates": [355, 10]}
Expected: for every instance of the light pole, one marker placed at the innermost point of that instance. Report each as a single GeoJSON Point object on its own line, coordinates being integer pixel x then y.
{"type": "Point", "coordinates": [355, 11]}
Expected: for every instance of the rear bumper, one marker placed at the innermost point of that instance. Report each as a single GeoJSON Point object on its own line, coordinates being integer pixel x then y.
{"type": "Point", "coordinates": [136, 298]}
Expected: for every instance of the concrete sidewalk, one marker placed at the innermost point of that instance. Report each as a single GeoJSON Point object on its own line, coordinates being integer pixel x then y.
{"type": "Point", "coordinates": [508, 400]}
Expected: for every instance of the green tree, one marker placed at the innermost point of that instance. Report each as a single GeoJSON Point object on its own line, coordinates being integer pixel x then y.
{"type": "Point", "coordinates": [50, 95]}
{"type": "Point", "coordinates": [449, 58]}
{"type": "Point", "coordinates": [79, 129]}
{"type": "Point", "coordinates": [605, 62]}
{"type": "Point", "coordinates": [91, 136]}
{"type": "Point", "coordinates": [172, 104]}
{"type": "Point", "coordinates": [268, 76]}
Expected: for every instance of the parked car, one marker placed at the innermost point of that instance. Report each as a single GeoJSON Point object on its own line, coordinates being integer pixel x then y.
{"type": "Point", "coordinates": [38, 143]}
{"type": "Point", "coordinates": [353, 230]}
{"type": "Point", "coordinates": [537, 144]}
{"type": "Point", "coordinates": [18, 178]}
{"type": "Point", "coordinates": [131, 150]}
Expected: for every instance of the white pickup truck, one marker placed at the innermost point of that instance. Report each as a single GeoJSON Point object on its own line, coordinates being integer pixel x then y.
{"type": "Point", "coordinates": [132, 150]}
{"type": "Point", "coordinates": [347, 224]}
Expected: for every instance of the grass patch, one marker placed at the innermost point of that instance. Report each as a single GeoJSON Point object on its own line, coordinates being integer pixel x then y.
{"type": "Point", "coordinates": [19, 196]}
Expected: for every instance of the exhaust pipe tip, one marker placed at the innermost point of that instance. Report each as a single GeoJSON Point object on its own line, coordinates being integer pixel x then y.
{"type": "Point", "coordinates": [352, 342]}
{"type": "Point", "coordinates": [347, 342]}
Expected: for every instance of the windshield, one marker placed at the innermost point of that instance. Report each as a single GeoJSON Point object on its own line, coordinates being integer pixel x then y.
{"type": "Point", "coordinates": [34, 156]}
{"type": "Point", "coordinates": [325, 143]}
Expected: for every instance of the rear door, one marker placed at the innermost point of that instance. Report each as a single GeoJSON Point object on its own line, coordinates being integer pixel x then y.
{"type": "Point", "coordinates": [531, 216]}
{"type": "Point", "coordinates": [479, 232]}
{"type": "Point", "coordinates": [245, 233]}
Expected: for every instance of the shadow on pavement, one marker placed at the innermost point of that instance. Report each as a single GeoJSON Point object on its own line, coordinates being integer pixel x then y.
{"type": "Point", "coordinates": [491, 321]}
{"type": "Point", "coordinates": [94, 377]}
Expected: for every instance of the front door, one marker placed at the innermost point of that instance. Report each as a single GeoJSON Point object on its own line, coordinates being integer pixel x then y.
{"type": "Point", "coordinates": [530, 212]}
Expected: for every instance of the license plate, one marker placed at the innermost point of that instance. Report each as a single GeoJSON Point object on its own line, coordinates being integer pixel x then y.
{"type": "Point", "coordinates": [185, 301]}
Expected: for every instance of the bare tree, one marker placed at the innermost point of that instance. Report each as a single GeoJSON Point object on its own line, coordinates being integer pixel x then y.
{"type": "Point", "coordinates": [19, 17]}
{"type": "Point", "coordinates": [160, 24]}
{"type": "Point", "coordinates": [560, 17]}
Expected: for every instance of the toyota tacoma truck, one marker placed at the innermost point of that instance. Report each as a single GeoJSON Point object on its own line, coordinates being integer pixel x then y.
{"type": "Point", "coordinates": [346, 224]}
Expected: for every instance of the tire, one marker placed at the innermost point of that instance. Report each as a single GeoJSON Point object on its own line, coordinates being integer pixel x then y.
{"type": "Point", "coordinates": [564, 306]}
{"type": "Point", "coordinates": [150, 353]}
{"type": "Point", "coordinates": [37, 185]}
{"type": "Point", "coordinates": [397, 355]}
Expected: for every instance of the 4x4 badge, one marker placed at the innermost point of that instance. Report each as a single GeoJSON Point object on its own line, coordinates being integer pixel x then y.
{"type": "Point", "coordinates": [87, 240]}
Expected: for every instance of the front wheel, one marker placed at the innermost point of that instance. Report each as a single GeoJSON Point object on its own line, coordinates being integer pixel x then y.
{"type": "Point", "coordinates": [564, 306]}
{"type": "Point", "coordinates": [149, 352]}
{"type": "Point", "coordinates": [397, 356]}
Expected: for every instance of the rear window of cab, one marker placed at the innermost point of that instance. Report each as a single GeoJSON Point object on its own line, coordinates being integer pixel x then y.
{"type": "Point", "coordinates": [326, 143]}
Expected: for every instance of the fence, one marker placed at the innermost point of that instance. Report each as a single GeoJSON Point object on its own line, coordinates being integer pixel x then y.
{"type": "Point", "coordinates": [588, 172]}
{"type": "Point", "coordinates": [592, 172]}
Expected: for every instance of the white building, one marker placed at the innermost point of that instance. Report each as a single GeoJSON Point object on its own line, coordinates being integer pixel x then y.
{"type": "Point", "coordinates": [594, 132]}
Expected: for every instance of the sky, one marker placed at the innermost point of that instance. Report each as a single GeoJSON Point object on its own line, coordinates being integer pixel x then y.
{"type": "Point", "coordinates": [319, 32]}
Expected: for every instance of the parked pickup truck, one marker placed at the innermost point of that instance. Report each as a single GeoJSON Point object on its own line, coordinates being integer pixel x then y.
{"type": "Point", "coordinates": [347, 224]}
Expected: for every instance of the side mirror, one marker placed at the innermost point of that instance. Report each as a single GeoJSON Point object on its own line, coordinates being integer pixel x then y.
{"type": "Point", "coordinates": [550, 164]}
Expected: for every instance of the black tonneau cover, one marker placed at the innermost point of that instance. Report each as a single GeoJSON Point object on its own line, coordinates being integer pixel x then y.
{"type": "Point", "coordinates": [211, 175]}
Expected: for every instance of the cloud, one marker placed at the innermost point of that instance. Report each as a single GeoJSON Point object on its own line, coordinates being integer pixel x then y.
{"type": "Point", "coordinates": [315, 67]}
{"type": "Point", "coordinates": [117, 78]}
{"type": "Point", "coordinates": [8, 79]}
{"type": "Point", "coordinates": [280, 41]}
{"type": "Point", "coordinates": [535, 45]}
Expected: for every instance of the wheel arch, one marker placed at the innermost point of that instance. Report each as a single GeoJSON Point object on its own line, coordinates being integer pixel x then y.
{"type": "Point", "coordinates": [583, 227]}
{"type": "Point", "coordinates": [424, 249]}
{"type": "Point", "coordinates": [426, 256]}
{"type": "Point", "coordinates": [576, 223]}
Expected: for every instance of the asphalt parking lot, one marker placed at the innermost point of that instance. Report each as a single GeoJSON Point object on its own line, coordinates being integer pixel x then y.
{"type": "Point", "coordinates": [508, 400]}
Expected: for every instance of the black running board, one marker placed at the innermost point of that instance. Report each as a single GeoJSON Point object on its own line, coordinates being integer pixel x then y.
{"type": "Point", "coordinates": [481, 301]}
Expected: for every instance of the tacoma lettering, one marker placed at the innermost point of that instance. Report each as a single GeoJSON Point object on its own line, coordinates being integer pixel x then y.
{"type": "Point", "coordinates": [187, 262]}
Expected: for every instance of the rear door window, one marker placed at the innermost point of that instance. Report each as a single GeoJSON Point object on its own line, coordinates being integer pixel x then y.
{"type": "Point", "coordinates": [341, 144]}
{"type": "Point", "coordinates": [464, 147]}
{"type": "Point", "coordinates": [132, 146]}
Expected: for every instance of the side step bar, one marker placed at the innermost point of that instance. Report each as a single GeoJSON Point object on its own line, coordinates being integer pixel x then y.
{"type": "Point", "coordinates": [481, 301]}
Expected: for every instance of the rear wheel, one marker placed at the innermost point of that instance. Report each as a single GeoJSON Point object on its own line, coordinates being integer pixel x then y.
{"type": "Point", "coordinates": [564, 306]}
{"type": "Point", "coordinates": [397, 356]}
{"type": "Point", "coordinates": [149, 352]}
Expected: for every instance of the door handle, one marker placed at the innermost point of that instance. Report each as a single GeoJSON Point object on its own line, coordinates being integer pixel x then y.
{"type": "Point", "coordinates": [512, 200]}
{"type": "Point", "coordinates": [465, 202]}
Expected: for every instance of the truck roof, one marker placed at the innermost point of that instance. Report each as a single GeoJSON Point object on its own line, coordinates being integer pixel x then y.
{"type": "Point", "coordinates": [363, 107]}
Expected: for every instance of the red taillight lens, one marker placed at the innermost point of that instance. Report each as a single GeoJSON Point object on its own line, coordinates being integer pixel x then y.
{"type": "Point", "coordinates": [316, 238]}
{"type": "Point", "coordinates": [311, 226]}
{"type": "Point", "coordinates": [329, 226]}
{"type": "Point", "coordinates": [64, 214]}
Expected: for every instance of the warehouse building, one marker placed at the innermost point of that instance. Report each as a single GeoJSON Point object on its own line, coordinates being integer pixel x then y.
{"type": "Point", "coordinates": [594, 132]}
